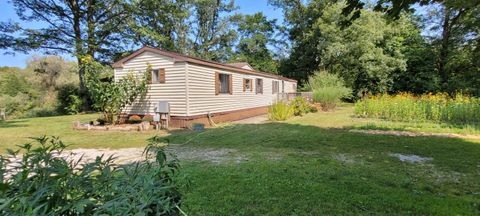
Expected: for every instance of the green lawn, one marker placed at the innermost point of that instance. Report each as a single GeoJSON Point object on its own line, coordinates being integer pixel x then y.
{"type": "Point", "coordinates": [310, 165]}
{"type": "Point", "coordinates": [14, 132]}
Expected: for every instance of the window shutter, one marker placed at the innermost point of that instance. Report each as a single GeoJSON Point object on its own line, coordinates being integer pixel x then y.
{"type": "Point", "coordinates": [230, 87]}
{"type": "Point", "coordinates": [244, 83]}
{"type": "Point", "coordinates": [251, 85]}
{"type": "Point", "coordinates": [261, 86]}
{"type": "Point", "coordinates": [161, 75]}
{"type": "Point", "coordinates": [273, 86]}
{"type": "Point", "coordinates": [217, 83]}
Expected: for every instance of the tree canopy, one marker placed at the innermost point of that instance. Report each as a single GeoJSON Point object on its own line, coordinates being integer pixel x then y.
{"type": "Point", "coordinates": [382, 47]}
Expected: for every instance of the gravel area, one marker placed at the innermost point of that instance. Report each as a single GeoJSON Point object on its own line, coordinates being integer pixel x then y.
{"type": "Point", "coordinates": [183, 153]}
{"type": "Point", "coordinates": [253, 120]}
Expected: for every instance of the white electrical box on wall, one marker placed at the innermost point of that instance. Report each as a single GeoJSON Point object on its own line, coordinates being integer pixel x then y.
{"type": "Point", "coordinates": [162, 107]}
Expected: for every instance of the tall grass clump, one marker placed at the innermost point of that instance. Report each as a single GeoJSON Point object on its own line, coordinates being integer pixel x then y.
{"type": "Point", "coordinates": [437, 108]}
{"type": "Point", "coordinates": [280, 111]}
{"type": "Point", "coordinates": [328, 89]}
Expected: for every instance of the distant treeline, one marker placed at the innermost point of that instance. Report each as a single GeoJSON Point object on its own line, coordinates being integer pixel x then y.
{"type": "Point", "coordinates": [47, 86]}
{"type": "Point", "coordinates": [378, 48]}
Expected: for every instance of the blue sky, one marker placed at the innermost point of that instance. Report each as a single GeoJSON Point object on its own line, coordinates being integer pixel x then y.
{"type": "Point", "coordinates": [19, 59]}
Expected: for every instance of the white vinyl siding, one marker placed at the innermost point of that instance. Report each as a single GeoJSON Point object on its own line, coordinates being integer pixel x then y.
{"type": "Point", "coordinates": [190, 88]}
{"type": "Point", "coordinates": [202, 98]}
{"type": "Point", "coordinates": [173, 90]}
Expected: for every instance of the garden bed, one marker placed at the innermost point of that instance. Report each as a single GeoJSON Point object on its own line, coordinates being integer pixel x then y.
{"type": "Point", "coordinates": [143, 126]}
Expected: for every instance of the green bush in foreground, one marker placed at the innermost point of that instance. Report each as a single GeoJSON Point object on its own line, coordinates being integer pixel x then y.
{"type": "Point", "coordinates": [439, 108]}
{"type": "Point", "coordinates": [42, 183]}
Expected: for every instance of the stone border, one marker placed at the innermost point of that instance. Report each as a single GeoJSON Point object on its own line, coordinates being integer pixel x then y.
{"type": "Point", "coordinates": [144, 126]}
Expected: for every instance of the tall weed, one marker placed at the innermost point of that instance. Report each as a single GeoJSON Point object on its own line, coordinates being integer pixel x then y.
{"type": "Point", "coordinates": [328, 89]}
{"type": "Point", "coordinates": [280, 111]}
{"type": "Point", "coordinates": [437, 108]}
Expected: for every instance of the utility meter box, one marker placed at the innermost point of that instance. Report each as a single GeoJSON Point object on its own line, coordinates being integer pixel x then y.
{"type": "Point", "coordinates": [162, 107]}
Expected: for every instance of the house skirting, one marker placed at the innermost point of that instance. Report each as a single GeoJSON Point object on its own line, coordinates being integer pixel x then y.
{"type": "Point", "coordinates": [218, 117]}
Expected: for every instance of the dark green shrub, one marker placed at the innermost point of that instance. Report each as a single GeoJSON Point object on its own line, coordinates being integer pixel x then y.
{"type": "Point", "coordinates": [101, 121]}
{"type": "Point", "coordinates": [41, 183]}
{"type": "Point", "coordinates": [147, 118]}
{"type": "Point", "coordinates": [134, 119]}
{"type": "Point", "coordinates": [40, 112]}
{"type": "Point", "coordinates": [69, 100]}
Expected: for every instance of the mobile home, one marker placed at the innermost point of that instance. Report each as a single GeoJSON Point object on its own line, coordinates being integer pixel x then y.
{"type": "Point", "coordinates": [196, 89]}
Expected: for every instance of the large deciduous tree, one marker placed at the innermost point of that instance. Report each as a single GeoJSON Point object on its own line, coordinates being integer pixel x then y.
{"type": "Point", "coordinates": [75, 27]}
{"type": "Point", "coordinates": [161, 23]}
{"type": "Point", "coordinates": [299, 18]}
{"type": "Point", "coordinates": [367, 54]}
{"type": "Point", "coordinates": [213, 37]}
{"type": "Point", "coordinates": [455, 44]}
{"type": "Point", "coordinates": [256, 34]}
{"type": "Point", "coordinates": [458, 35]}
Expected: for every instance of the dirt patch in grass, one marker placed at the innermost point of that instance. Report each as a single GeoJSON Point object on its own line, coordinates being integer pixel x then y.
{"type": "Point", "coordinates": [183, 153]}
{"type": "Point", "coordinates": [413, 134]}
{"type": "Point", "coordinates": [411, 158]}
{"type": "Point", "coordinates": [218, 156]}
{"type": "Point", "coordinates": [122, 156]}
{"type": "Point", "coordinates": [346, 158]}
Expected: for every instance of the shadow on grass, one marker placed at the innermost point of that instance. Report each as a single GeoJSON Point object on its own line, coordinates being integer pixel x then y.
{"type": "Point", "coordinates": [13, 123]}
{"type": "Point", "coordinates": [455, 153]}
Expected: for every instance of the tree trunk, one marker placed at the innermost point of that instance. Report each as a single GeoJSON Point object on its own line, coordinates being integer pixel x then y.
{"type": "Point", "coordinates": [442, 58]}
{"type": "Point", "coordinates": [449, 21]}
{"type": "Point", "coordinates": [77, 15]}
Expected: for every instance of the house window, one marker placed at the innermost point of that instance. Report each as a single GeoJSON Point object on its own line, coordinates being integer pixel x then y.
{"type": "Point", "coordinates": [247, 85]}
{"type": "Point", "coordinates": [223, 83]}
{"type": "Point", "coordinates": [158, 76]}
{"type": "Point", "coordinates": [283, 86]}
{"type": "Point", "coordinates": [259, 86]}
{"type": "Point", "coordinates": [274, 86]}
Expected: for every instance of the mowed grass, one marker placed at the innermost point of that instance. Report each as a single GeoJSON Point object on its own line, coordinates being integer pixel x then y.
{"type": "Point", "coordinates": [310, 165]}
{"type": "Point", "coordinates": [14, 132]}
